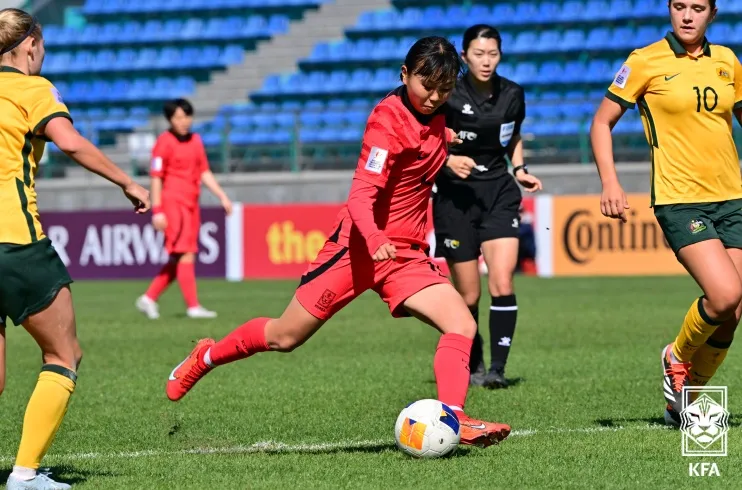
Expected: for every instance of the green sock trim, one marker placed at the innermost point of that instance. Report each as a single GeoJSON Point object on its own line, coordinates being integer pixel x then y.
{"type": "Point", "coordinates": [704, 315]}
{"type": "Point", "coordinates": [61, 370]}
{"type": "Point", "coordinates": [719, 344]}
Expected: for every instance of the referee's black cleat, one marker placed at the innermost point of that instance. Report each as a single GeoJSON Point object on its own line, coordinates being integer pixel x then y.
{"type": "Point", "coordinates": [476, 378]}
{"type": "Point", "coordinates": [495, 379]}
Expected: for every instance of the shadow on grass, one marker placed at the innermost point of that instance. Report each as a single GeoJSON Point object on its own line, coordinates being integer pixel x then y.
{"type": "Point", "coordinates": [63, 474]}
{"type": "Point", "coordinates": [512, 382]}
{"type": "Point", "coordinates": [735, 420]}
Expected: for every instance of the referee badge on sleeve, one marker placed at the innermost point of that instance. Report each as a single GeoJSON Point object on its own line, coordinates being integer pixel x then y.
{"type": "Point", "coordinates": [506, 132]}
{"type": "Point", "coordinates": [157, 164]}
{"type": "Point", "coordinates": [376, 160]}
{"type": "Point", "coordinates": [622, 77]}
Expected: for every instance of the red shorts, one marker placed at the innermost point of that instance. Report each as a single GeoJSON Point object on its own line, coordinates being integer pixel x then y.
{"type": "Point", "coordinates": [339, 275]}
{"type": "Point", "coordinates": [183, 225]}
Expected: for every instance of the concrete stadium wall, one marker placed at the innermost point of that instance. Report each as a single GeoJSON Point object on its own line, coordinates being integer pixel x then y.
{"type": "Point", "coordinates": [91, 192]}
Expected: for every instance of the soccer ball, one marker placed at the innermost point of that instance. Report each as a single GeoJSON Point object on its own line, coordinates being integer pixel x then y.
{"type": "Point", "coordinates": [427, 429]}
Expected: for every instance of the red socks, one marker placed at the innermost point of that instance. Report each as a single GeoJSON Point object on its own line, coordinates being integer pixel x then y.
{"type": "Point", "coordinates": [187, 282]}
{"type": "Point", "coordinates": [451, 367]}
{"type": "Point", "coordinates": [161, 281]}
{"type": "Point", "coordinates": [242, 342]}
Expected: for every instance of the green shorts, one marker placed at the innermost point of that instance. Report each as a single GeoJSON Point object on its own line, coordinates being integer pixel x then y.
{"type": "Point", "coordinates": [686, 224]}
{"type": "Point", "coordinates": [30, 278]}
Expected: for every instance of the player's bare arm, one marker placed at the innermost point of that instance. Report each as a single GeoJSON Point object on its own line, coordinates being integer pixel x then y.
{"type": "Point", "coordinates": [212, 184]}
{"type": "Point", "coordinates": [613, 203]}
{"type": "Point", "coordinates": [66, 137]}
{"type": "Point", "coordinates": [515, 151]}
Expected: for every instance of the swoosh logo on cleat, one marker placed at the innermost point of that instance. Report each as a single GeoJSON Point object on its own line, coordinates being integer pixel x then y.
{"type": "Point", "coordinates": [480, 426]}
{"type": "Point", "coordinates": [172, 373]}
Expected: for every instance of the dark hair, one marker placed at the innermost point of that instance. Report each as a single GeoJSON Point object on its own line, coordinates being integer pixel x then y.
{"type": "Point", "coordinates": [434, 59]}
{"type": "Point", "coordinates": [482, 31]}
{"type": "Point", "coordinates": [172, 105]}
{"type": "Point", "coordinates": [712, 3]}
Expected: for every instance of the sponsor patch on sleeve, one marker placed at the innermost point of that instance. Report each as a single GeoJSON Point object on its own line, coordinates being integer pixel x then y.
{"type": "Point", "coordinates": [622, 77]}
{"type": "Point", "coordinates": [157, 164]}
{"type": "Point", "coordinates": [57, 96]}
{"type": "Point", "coordinates": [376, 160]}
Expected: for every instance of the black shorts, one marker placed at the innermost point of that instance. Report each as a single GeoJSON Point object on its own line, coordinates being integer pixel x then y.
{"type": "Point", "coordinates": [32, 276]}
{"type": "Point", "coordinates": [465, 216]}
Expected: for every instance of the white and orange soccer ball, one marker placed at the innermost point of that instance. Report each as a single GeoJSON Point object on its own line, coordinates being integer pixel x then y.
{"type": "Point", "coordinates": [427, 429]}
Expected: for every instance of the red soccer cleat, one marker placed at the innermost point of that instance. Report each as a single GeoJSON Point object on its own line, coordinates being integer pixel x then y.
{"type": "Point", "coordinates": [187, 373]}
{"type": "Point", "coordinates": [483, 434]}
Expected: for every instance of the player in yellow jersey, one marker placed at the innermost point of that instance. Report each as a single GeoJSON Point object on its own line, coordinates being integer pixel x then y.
{"type": "Point", "coordinates": [687, 91]}
{"type": "Point", "coordinates": [34, 283]}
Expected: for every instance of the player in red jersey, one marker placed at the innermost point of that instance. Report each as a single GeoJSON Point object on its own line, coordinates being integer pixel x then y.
{"type": "Point", "coordinates": [379, 243]}
{"type": "Point", "coordinates": [179, 166]}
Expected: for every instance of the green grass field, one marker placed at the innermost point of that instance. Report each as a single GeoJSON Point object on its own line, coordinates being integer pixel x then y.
{"type": "Point", "coordinates": [586, 410]}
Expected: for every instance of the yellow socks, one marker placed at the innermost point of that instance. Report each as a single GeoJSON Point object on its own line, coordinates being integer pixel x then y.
{"type": "Point", "coordinates": [697, 328]}
{"type": "Point", "coordinates": [44, 414]}
{"type": "Point", "coordinates": [707, 360]}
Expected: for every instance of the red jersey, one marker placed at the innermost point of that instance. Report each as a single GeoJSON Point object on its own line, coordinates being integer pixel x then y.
{"type": "Point", "coordinates": [401, 155]}
{"type": "Point", "coordinates": [179, 161]}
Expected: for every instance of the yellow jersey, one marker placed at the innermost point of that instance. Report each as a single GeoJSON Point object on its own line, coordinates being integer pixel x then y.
{"type": "Point", "coordinates": [686, 105]}
{"type": "Point", "coordinates": [27, 103]}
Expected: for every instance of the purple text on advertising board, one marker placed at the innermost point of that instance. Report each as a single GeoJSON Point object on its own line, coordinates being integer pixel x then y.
{"type": "Point", "coordinates": [124, 245]}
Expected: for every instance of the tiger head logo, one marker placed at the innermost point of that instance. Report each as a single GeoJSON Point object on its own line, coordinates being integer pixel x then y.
{"type": "Point", "coordinates": [704, 421]}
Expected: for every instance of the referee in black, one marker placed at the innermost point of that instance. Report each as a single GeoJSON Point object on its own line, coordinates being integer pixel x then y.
{"type": "Point", "coordinates": [476, 207]}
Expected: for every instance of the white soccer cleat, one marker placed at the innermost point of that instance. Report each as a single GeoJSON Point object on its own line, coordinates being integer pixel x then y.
{"type": "Point", "coordinates": [40, 482]}
{"type": "Point", "coordinates": [148, 307]}
{"type": "Point", "coordinates": [200, 312]}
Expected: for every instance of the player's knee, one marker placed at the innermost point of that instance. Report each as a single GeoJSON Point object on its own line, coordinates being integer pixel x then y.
{"type": "Point", "coordinates": [500, 285]}
{"type": "Point", "coordinates": [285, 342]}
{"type": "Point", "coordinates": [723, 304]}
{"type": "Point", "coordinates": [471, 298]}
{"type": "Point", "coordinates": [187, 258]}
{"type": "Point", "coordinates": [68, 355]}
{"type": "Point", "coordinates": [77, 353]}
{"type": "Point", "coordinates": [464, 325]}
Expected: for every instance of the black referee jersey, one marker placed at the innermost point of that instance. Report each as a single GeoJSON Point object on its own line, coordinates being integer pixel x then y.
{"type": "Point", "coordinates": [486, 125]}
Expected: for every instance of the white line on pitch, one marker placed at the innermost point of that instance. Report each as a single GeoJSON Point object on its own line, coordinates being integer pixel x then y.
{"type": "Point", "coordinates": [280, 447]}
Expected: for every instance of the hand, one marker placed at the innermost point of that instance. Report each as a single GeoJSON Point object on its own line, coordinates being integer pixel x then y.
{"type": "Point", "coordinates": [453, 138]}
{"type": "Point", "coordinates": [159, 221]}
{"type": "Point", "coordinates": [529, 182]}
{"type": "Point", "coordinates": [385, 252]}
{"type": "Point", "coordinates": [461, 165]}
{"type": "Point", "coordinates": [227, 205]}
{"type": "Point", "coordinates": [139, 197]}
{"type": "Point", "coordinates": [613, 202]}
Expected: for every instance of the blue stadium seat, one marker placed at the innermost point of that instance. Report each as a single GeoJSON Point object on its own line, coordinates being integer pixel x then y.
{"type": "Point", "coordinates": [525, 41]}
{"type": "Point", "coordinates": [596, 10]}
{"type": "Point", "coordinates": [504, 14]}
{"type": "Point", "coordinates": [624, 37]}
{"type": "Point", "coordinates": [356, 118]}
{"type": "Point", "coordinates": [435, 17]}
{"type": "Point", "coordinates": [599, 38]}
{"type": "Point", "coordinates": [573, 39]}
{"type": "Point", "coordinates": [332, 119]}
{"type": "Point", "coordinates": [314, 105]}
{"type": "Point", "coordinates": [337, 104]}
{"type": "Point", "coordinates": [571, 11]}
{"type": "Point", "coordinates": [360, 79]}
{"type": "Point", "coordinates": [621, 9]}
{"type": "Point", "coordinates": [547, 41]}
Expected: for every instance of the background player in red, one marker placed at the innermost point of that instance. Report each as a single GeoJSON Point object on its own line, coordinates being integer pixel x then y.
{"type": "Point", "coordinates": [379, 243]}
{"type": "Point", "coordinates": [179, 166]}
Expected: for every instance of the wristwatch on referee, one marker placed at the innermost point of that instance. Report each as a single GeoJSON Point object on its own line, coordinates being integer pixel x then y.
{"type": "Point", "coordinates": [520, 167]}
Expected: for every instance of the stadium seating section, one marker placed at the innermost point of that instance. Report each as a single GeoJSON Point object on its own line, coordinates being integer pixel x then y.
{"type": "Point", "coordinates": [133, 54]}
